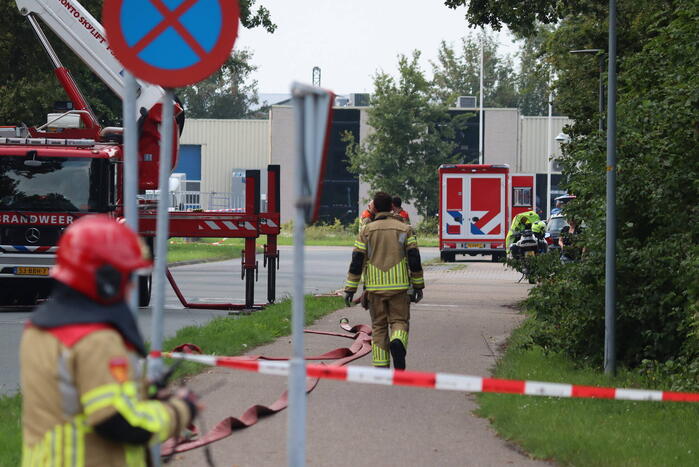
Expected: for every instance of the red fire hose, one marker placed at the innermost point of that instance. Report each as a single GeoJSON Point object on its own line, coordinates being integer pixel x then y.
{"type": "Point", "coordinates": [361, 334]}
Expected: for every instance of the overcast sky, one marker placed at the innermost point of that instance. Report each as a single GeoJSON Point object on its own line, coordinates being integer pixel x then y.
{"type": "Point", "coordinates": [349, 40]}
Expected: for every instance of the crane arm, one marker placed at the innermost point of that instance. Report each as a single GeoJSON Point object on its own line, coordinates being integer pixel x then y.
{"type": "Point", "coordinates": [80, 31]}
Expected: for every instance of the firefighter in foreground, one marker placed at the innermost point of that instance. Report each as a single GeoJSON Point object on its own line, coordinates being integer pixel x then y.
{"type": "Point", "coordinates": [386, 251]}
{"type": "Point", "coordinates": [82, 402]}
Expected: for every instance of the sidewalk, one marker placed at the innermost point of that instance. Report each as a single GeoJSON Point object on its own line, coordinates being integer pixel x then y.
{"type": "Point", "coordinates": [457, 328]}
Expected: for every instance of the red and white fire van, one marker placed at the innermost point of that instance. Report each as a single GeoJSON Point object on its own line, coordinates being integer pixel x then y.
{"type": "Point", "coordinates": [477, 204]}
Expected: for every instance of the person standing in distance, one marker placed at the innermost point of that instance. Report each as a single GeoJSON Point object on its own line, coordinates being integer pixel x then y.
{"type": "Point", "coordinates": [386, 252]}
{"type": "Point", "coordinates": [399, 211]}
{"type": "Point", "coordinates": [368, 214]}
{"type": "Point", "coordinates": [82, 401]}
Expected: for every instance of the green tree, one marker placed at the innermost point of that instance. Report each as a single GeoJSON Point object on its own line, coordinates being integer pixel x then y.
{"type": "Point", "coordinates": [28, 87]}
{"type": "Point", "coordinates": [457, 73]}
{"type": "Point", "coordinates": [411, 138]}
{"type": "Point", "coordinates": [657, 177]}
{"type": "Point", "coordinates": [225, 94]}
{"type": "Point", "coordinates": [533, 77]}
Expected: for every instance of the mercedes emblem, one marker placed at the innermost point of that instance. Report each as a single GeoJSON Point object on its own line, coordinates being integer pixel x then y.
{"type": "Point", "coordinates": [32, 235]}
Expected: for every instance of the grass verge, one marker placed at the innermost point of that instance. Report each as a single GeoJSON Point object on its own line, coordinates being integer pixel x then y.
{"type": "Point", "coordinates": [10, 431]}
{"type": "Point", "coordinates": [338, 239]}
{"type": "Point", "coordinates": [179, 250]}
{"type": "Point", "coordinates": [221, 336]}
{"type": "Point", "coordinates": [587, 432]}
{"type": "Point", "coordinates": [226, 336]}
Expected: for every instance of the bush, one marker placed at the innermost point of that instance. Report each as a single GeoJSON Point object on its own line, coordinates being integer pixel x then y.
{"type": "Point", "coordinates": [428, 226]}
{"type": "Point", "coordinates": [657, 252]}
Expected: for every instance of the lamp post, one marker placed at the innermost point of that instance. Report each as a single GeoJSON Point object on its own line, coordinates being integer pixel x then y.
{"type": "Point", "coordinates": [600, 57]}
{"type": "Point", "coordinates": [610, 255]}
{"type": "Point", "coordinates": [480, 96]}
{"type": "Point", "coordinates": [549, 151]}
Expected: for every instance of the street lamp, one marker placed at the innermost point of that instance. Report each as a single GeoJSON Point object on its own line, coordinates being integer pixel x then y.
{"type": "Point", "coordinates": [562, 138]}
{"type": "Point", "coordinates": [610, 254]}
{"type": "Point", "coordinates": [480, 95]}
{"type": "Point", "coordinates": [600, 56]}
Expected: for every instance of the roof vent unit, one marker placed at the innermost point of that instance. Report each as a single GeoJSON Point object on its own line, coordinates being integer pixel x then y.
{"type": "Point", "coordinates": [341, 101]}
{"type": "Point", "coordinates": [466, 102]}
{"type": "Point", "coordinates": [359, 100]}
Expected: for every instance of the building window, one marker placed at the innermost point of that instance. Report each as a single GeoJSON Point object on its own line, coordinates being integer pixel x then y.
{"type": "Point", "coordinates": [522, 197]}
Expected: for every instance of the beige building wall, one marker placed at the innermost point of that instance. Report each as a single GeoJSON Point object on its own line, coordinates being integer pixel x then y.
{"type": "Point", "coordinates": [226, 145]}
{"type": "Point", "coordinates": [509, 139]}
{"type": "Point", "coordinates": [282, 151]}
{"type": "Point", "coordinates": [534, 142]}
{"type": "Point", "coordinates": [501, 137]}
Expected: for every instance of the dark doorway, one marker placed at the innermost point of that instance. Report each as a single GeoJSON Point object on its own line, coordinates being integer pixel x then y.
{"type": "Point", "coordinates": [340, 197]}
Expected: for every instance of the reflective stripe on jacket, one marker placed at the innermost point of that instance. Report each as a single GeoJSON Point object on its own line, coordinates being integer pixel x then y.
{"type": "Point", "coordinates": [381, 253]}
{"type": "Point", "coordinates": [69, 389]}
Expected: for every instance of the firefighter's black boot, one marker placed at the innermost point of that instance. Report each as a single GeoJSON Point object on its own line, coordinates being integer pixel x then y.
{"type": "Point", "coordinates": [398, 354]}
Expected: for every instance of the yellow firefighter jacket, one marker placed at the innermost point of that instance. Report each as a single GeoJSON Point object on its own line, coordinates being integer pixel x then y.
{"type": "Point", "coordinates": [386, 253]}
{"type": "Point", "coordinates": [70, 387]}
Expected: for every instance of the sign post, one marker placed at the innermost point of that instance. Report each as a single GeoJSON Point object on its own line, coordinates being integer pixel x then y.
{"type": "Point", "coordinates": [131, 170]}
{"type": "Point", "coordinates": [313, 114]}
{"type": "Point", "coordinates": [170, 45]}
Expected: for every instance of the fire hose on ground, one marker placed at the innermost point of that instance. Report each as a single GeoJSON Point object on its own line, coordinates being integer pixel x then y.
{"type": "Point", "coordinates": [361, 345]}
{"type": "Point", "coordinates": [361, 334]}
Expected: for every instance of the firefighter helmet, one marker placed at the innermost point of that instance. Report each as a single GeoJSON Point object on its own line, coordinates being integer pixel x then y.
{"type": "Point", "coordinates": [97, 255]}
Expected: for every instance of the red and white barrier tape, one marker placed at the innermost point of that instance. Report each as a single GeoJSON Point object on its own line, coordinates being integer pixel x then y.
{"type": "Point", "coordinates": [444, 381]}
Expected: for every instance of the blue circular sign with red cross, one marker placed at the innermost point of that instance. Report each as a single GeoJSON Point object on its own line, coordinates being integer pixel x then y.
{"type": "Point", "coordinates": [172, 43]}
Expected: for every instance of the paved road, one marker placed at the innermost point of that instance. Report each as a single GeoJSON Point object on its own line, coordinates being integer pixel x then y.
{"type": "Point", "coordinates": [217, 282]}
{"type": "Point", "coordinates": [458, 328]}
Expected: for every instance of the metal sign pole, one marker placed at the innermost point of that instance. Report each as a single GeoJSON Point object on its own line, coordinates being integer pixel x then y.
{"type": "Point", "coordinates": [296, 433]}
{"type": "Point", "coordinates": [130, 136]}
{"type": "Point", "coordinates": [161, 235]}
{"type": "Point", "coordinates": [155, 364]}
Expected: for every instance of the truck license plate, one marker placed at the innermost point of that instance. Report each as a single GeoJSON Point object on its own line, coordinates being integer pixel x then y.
{"type": "Point", "coordinates": [476, 245]}
{"type": "Point", "coordinates": [29, 271]}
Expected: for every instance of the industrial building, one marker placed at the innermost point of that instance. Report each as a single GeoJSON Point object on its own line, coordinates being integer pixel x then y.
{"type": "Point", "coordinates": [215, 153]}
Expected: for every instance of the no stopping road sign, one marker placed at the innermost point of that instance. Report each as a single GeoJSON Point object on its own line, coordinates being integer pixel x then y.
{"type": "Point", "coordinates": [172, 43]}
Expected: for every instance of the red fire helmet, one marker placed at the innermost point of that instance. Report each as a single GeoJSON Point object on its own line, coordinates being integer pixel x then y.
{"type": "Point", "coordinates": [97, 255]}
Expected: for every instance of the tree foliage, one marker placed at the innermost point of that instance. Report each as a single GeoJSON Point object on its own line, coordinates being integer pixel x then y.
{"type": "Point", "coordinates": [412, 137]}
{"type": "Point", "coordinates": [225, 94]}
{"type": "Point", "coordinates": [457, 72]}
{"type": "Point", "coordinates": [532, 81]}
{"type": "Point", "coordinates": [657, 179]}
{"type": "Point", "coordinates": [28, 87]}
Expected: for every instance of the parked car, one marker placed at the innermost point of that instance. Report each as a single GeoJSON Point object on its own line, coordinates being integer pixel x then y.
{"type": "Point", "coordinates": [553, 230]}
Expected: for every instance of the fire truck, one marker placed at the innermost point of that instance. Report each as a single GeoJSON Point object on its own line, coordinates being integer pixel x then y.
{"type": "Point", "coordinates": [71, 166]}
{"type": "Point", "coordinates": [476, 206]}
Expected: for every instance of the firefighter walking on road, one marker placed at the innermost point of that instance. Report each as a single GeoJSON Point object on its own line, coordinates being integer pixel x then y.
{"type": "Point", "coordinates": [82, 404]}
{"type": "Point", "coordinates": [386, 252]}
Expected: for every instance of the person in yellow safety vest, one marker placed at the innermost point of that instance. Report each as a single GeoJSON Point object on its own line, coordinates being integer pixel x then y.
{"type": "Point", "coordinates": [81, 402]}
{"type": "Point", "coordinates": [520, 221]}
{"type": "Point", "coordinates": [386, 252]}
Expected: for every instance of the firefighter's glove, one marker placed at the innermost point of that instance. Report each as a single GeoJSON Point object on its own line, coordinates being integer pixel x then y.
{"type": "Point", "coordinates": [416, 296]}
{"type": "Point", "coordinates": [365, 300]}
{"type": "Point", "coordinates": [191, 399]}
{"type": "Point", "coordinates": [348, 298]}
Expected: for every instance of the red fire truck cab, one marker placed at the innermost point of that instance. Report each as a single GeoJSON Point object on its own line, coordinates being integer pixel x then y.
{"type": "Point", "coordinates": [44, 187]}
{"type": "Point", "coordinates": [476, 205]}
